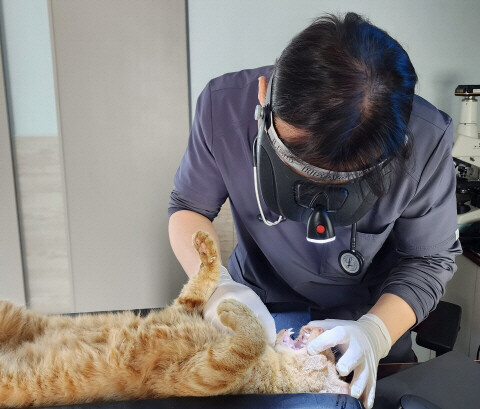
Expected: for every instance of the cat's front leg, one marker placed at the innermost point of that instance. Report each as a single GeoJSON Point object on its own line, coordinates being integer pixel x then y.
{"type": "Point", "coordinates": [223, 365]}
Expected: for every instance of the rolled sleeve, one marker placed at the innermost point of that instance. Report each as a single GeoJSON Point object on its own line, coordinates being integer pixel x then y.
{"type": "Point", "coordinates": [198, 183]}
{"type": "Point", "coordinates": [426, 234]}
{"type": "Point", "coordinates": [178, 202]}
{"type": "Point", "coordinates": [421, 281]}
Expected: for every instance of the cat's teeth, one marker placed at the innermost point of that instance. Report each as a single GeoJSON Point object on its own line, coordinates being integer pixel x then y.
{"type": "Point", "coordinates": [290, 331]}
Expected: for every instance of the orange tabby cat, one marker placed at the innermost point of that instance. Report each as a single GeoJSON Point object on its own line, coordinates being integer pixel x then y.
{"type": "Point", "coordinates": [174, 352]}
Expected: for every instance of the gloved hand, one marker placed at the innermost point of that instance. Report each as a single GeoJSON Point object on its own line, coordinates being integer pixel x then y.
{"type": "Point", "coordinates": [227, 288]}
{"type": "Point", "coordinates": [363, 343]}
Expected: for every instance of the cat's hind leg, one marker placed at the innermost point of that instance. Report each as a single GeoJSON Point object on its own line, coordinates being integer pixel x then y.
{"type": "Point", "coordinates": [221, 366]}
{"type": "Point", "coordinates": [199, 288]}
{"type": "Point", "coordinates": [250, 338]}
{"type": "Point", "coordinates": [238, 351]}
{"type": "Point", "coordinates": [17, 324]}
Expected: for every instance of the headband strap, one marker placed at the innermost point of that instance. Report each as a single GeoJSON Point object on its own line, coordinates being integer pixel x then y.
{"type": "Point", "coordinates": [290, 159]}
{"type": "Point", "coordinates": [304, 168]}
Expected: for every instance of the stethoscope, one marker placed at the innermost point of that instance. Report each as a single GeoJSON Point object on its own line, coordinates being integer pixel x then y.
{"type": "Point", "coordinates": [351, 261]}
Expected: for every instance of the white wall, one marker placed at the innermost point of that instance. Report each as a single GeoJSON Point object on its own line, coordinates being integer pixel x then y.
{"type": "Point", "coordinates": [119, 89]}
{"type": "Point", "coordinates": [29, 67]}
{"type": "Point", "coordinates": [11, 272]}
{"type": "Point", "coordinates": [441, 38]}
{"type": "Point", "coordinates": [121, 70]}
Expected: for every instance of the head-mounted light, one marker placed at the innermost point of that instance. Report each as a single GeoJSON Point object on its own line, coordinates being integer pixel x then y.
{"type": "Point", "coordinates": [298, 191]}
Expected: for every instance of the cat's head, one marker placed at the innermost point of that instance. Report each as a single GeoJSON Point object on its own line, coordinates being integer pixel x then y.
{"type": "Point", "coordinates": [312, 373]}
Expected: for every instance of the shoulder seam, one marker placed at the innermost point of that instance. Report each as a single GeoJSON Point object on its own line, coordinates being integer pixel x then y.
{"type": "Point", "coordinates": [225, 88]}
{"type": "Point", "coordinates": [430, 122]}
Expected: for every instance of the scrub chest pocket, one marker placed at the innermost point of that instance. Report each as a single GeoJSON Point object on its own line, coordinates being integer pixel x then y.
{"type": "Point", "coordinates": [367, 244]}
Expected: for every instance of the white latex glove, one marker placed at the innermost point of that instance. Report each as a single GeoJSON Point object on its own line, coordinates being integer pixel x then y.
{"type": "Point", "coordinates": [363, 343]}
{"type": "Point", "coordinates": [227, 288]}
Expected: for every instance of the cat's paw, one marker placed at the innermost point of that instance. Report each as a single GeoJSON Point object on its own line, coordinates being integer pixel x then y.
{"type": "Point", "coordinates": [230, 311]}
{"type": "Point", "coordinates": [206, 248]}
{"type": "Point", "coordinates": [238, 317]}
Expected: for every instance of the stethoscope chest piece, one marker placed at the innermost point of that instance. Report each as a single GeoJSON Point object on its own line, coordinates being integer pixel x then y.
{"type": "Point", "coordinates": [351, 262]}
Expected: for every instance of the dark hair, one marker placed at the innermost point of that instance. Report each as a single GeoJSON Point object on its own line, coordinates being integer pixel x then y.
{"type": "Point", "coordinates": [350, 87]}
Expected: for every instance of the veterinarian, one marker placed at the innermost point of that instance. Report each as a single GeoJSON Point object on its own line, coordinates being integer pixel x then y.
{"type": "Point", "coordinates": [349, 216]}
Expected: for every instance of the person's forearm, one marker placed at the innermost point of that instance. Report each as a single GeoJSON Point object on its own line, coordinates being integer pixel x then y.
{"type": "Point", "coordinates": [395, 313]}
{"type": "Point", "coordinates": [181, 227]}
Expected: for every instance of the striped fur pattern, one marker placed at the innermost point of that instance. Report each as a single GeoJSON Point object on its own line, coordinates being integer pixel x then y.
{"type": "Point", "coordinates": [59, 360]}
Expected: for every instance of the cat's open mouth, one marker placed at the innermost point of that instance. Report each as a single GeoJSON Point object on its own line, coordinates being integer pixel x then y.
{"type": "Point", "coordinates": [306, 335]}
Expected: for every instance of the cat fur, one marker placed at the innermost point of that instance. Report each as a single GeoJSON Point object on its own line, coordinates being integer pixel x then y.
{"type": "Point", "coordinates": [60, 360]}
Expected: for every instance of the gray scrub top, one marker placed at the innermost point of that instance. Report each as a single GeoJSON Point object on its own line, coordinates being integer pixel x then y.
{"type": "Point", "coordinates": [409, 239]}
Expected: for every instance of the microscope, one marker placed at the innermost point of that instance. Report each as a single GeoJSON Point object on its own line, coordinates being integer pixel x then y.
{"type": "Point", "coordinates": [466, 155]}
